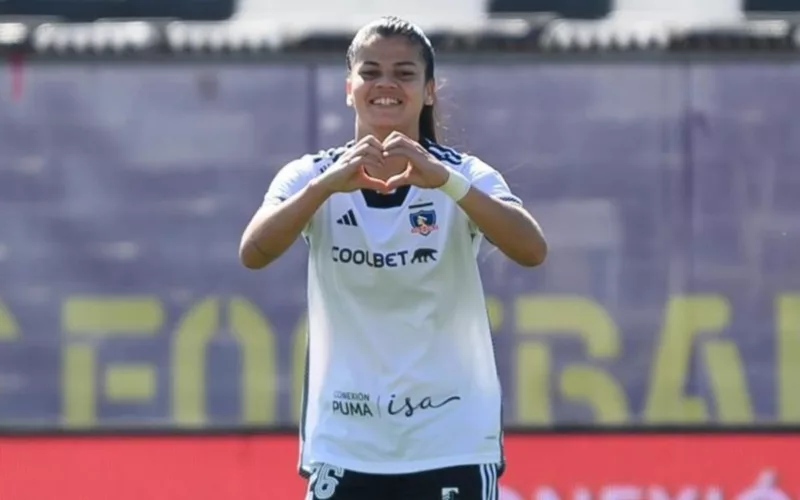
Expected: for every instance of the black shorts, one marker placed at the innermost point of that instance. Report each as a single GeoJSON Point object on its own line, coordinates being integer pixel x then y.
{"type": "Point", "coordinates": [468, 482]}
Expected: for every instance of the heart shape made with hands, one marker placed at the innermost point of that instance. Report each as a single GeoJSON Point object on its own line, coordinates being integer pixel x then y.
{"type": "Point", "coordinates": [395, 181]}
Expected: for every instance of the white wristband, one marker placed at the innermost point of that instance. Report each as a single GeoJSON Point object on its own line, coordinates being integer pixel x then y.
{"type": "Point", "coordinates": [456, 187]}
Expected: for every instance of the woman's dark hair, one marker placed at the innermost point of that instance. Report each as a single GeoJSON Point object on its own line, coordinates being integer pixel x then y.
{"type": "Point", "coordinates": [393, 26]}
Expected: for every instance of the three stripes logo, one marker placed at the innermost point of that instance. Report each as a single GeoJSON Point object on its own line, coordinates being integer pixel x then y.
{"type": "Point", "coordinates": [348, 219]}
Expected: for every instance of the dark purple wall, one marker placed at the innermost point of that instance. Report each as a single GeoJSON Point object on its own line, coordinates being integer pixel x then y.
{"type": "Point", "coordinates": [670, 194]}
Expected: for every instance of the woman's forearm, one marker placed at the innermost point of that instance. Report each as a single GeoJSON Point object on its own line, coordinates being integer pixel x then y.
{"type": "Point", "coordinates": [508, 226]}
{"type": "Point", "coordinates": [274, 228]}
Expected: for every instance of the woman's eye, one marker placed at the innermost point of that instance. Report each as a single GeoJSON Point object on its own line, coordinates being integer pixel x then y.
{"type": "Point", "coordinates": [369, 74]}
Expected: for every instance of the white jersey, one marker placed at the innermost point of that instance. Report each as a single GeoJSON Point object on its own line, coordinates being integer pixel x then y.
{"type": "Point", "coordinates": [401, 373]}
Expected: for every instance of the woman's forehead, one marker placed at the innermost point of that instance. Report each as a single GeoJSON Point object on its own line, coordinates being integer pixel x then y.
{"type": "Point", "coordinates": [390, 50]}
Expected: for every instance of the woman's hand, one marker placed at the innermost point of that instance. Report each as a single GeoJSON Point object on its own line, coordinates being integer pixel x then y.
{"type": "Point", "coordinates": [349, 173]}
{"type": "Point", "coordinates": [423, 169]}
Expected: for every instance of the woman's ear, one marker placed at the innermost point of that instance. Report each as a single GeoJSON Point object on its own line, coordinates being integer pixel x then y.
{"type": "Point", "coordinates": [430, 93]}
{"type": "Point", "coordinates": [347, 90]}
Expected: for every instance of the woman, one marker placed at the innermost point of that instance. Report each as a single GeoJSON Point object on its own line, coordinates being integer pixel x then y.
{"type": "Point", "coordinates": [402, 398]}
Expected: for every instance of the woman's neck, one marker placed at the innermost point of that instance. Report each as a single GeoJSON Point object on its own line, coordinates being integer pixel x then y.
{"type": "Point", "coordinates": [383, 132]}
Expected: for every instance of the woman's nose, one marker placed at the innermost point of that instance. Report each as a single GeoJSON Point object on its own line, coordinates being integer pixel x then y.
{"type": "Point", "coordinates": [385, 81]}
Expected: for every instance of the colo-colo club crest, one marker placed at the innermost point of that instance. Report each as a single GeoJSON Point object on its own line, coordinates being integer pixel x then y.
{"type": "Point", "coordinates": [423, 222]}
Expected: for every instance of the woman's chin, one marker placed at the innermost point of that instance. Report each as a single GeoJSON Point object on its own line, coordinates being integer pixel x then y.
{"type": "Point", "coordinates": [385, 126]}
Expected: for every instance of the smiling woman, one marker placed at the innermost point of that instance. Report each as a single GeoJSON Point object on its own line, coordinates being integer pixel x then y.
{"type": "Point", "coordinates": [391, 85]}
{"type": "Point", "coordinates": [391, 82]}
{"type": "Point", "coordinates": [396, 311]}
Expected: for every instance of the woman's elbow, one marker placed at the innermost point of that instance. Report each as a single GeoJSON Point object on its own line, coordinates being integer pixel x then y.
{"type": "Point", "coordinates": [251, 257]}
{"type": "Point", "coordinates": [533, 254]}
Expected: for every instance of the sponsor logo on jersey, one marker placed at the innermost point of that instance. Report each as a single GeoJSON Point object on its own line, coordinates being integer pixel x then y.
{"type": "Point", "coordinates": [361, 404]}
{"type": "Point", "coordinates": [378, 260]}
{"type": "Point", "coordinates": [408, 407]}
{"type": "Point", "coordinates": [423, 221]}
{"type": "Point", "coordinates": [423, 255]}
{"type": "Point", "coordinates": [352, 404]}
{"type": "Point", "coordinates": [348, 219]}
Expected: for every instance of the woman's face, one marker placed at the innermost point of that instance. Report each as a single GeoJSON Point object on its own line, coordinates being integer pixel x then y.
{"type": "Point", "coordinates": [387, 84]}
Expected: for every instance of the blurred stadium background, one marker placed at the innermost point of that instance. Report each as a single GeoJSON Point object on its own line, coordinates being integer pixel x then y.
{"type": "Point", "coordinates": [653, 357]}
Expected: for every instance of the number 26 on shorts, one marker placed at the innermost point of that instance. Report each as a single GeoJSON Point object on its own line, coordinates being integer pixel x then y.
{"type": "Point", "coordinates": [323, 482]}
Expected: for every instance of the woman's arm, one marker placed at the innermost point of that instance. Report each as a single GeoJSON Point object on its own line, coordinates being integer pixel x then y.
{"type": "Point", "coordinates": [507, 225]}
{"type": "Point", "coordinates": [276, 226]}
{"type": "Point", "coordinates": [495, 211]}
{"type": "Point", "coordinates": [297, 192]}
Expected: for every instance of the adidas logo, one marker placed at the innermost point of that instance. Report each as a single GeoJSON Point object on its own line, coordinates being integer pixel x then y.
{"type": "Point", "coordinates": [348, 219]}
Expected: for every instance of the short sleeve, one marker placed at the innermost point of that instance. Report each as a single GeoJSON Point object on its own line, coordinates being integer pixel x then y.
{"type": "Point", "coordinates": [289, 180]}
{"type": "Point", "coordinates": [490, 181]}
